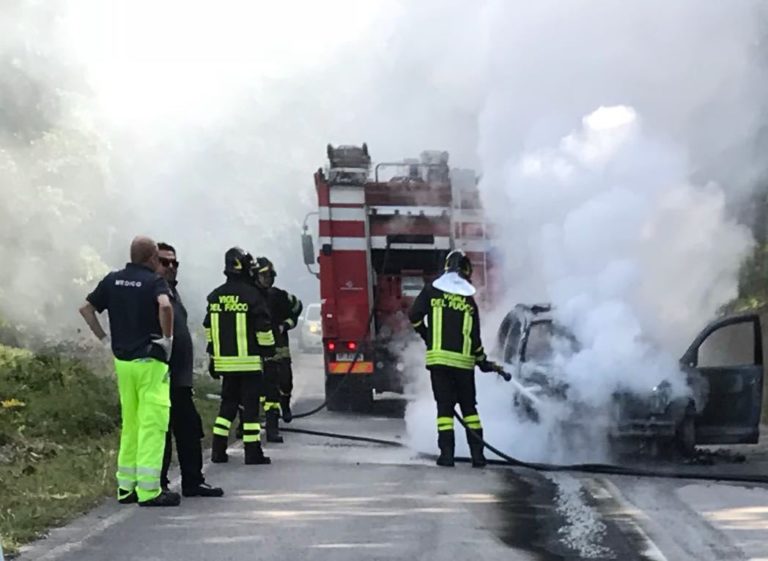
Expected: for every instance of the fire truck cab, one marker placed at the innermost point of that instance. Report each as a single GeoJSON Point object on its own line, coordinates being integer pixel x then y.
{"type": "Point", "coordinates": [383, 233]}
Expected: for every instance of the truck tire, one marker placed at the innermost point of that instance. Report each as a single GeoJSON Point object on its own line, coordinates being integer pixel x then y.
{"type": "Point", "coordinates": [336, 396]}
{"type": "Point", "coordinates": [362, 399]}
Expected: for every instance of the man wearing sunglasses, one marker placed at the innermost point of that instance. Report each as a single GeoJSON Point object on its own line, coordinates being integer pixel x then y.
{"type": "Point", "coordinates": [185, 422]}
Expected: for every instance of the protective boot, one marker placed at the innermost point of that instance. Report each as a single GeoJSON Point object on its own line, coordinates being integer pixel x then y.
{"type": "Point", "coordinates": [273, 430]}
{"type": "Point", "coordinates": [254, 455]}
{"type": "Point", "coordinates": [476, 448]}
{"type": "Point", "coordinates": [446, 441]}
{"type": "Point", "coordinates": [285, 406]}
{"type": "Point", "coordinates": [219, 449]}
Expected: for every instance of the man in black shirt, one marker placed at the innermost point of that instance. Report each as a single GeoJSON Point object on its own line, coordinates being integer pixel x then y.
{"type": "Point", "coordinates": [186, 425]}
{"type": "Point", "coordinates": [141, 326]}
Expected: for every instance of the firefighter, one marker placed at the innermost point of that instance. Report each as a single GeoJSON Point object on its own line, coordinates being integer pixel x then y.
{"type": "Point", "coordinates": [454, 348]}
{"type": "Point", "coordinates": [141, 325]}
{"type": "Point", "coordinates": [285, 309]}
{"type": "Point", "coordinates": [240, 339]}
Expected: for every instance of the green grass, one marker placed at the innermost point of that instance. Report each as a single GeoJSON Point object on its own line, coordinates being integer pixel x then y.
{"type": "Point", "coordinates": [59, 433]}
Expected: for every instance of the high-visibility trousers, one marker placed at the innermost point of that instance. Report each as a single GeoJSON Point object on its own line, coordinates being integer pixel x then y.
{"type": "Point", "coordinates": [145, 405]}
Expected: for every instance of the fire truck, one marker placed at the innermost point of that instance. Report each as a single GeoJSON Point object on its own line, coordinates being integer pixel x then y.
{"type": "Point", "coordinates": [384, 232]}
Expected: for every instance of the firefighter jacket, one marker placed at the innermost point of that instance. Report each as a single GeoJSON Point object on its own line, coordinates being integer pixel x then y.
{"type": "Point", "coordinates": [452, 328]}
{"type": "Point", "coordinates": [285, 310]}
{"type": "Point", "coordinates": [238, 328]}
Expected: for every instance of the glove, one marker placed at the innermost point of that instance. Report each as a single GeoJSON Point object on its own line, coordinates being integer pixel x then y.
{"type": "Point", "coordinates": [487, 366]}
{"type": "Point", "coordinates": [212, 371]}
{"type": "Point", "coordinates": [165, 343]}
{"type": "Point", "coordinates": [506, 375]}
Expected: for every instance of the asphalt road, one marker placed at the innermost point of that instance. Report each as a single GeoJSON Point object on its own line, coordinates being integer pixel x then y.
{"type": "Point", "coordinates": [324, 498]}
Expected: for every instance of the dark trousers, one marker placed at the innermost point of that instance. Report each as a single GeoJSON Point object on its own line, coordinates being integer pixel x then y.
{"type": "Point", "coordinates": [272, 371]}
{"type": "Point", "coordinates": [237, 389]}
{"type": "Point", "coordinates": [452, 386]}
{"type": "Point", "coordinates": [187, 428]}
{"type": "Point", "coordinates": [285, 378]}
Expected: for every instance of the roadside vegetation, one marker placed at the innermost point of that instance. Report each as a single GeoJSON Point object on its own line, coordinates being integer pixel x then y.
{"type": "Point", "coordinates": [59, 431]}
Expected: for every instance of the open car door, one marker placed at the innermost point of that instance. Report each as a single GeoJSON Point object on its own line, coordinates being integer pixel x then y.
{"type": "Point", "coordinates": [728, 358]}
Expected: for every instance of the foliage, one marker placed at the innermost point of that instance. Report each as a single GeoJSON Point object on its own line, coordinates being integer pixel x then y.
{"type": "Point", "coordinates": [58, 436]}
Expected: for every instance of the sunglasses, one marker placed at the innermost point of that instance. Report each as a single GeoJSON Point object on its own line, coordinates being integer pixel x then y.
{"type": "Point", "coordinates": [165, 262]}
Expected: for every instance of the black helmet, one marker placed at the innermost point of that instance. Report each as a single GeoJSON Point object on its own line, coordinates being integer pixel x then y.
{"type": "Point", "coordinates": [237, 261]}
{"type": "Point", "coordinates": [458, 262]}
{"type": "Point", "coordinates": [263, 265]}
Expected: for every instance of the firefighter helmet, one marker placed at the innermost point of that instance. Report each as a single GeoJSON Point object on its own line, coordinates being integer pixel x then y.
{"type": "Point", "coordinates": [458, 262]}
{"type": "Point", "coordinates": [263, 266]}
{"type": "Point", "coordinates": [237, 261]}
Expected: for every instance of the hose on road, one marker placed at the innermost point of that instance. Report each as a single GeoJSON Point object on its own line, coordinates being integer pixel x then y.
{"type": "Point", "coordinates": [508, 461]}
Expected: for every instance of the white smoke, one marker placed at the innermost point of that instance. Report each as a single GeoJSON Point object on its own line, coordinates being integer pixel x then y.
{"type": "Point", "coordinates": [612, 140]}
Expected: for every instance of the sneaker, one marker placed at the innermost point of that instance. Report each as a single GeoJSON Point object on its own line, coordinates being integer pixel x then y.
{"type": "Point", "coordinates": [202, 490]}
{"type": "Point", "coordinates": [129, 499]}
{"type": "Point", "coordinates": [165, 498]}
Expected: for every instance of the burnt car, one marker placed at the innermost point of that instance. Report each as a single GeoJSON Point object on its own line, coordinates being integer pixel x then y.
{"type": "Point", "coordinates": [723, 368]}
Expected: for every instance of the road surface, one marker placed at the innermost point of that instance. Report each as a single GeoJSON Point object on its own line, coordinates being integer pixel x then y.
{"type": "Point", "coordinates": [339, 500]}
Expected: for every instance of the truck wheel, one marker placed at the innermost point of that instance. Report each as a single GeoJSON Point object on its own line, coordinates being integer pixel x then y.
{"type": "Point", "coordinates": [362, 400]}
{"type": "Point", "coordinates": [685, 437]}
{"type": "Point", "coordinates": [336, 396]}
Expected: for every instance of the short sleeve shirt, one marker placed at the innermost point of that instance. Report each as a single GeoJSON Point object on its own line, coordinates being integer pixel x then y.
{"type": "Point", "coordinates": [130, 297]}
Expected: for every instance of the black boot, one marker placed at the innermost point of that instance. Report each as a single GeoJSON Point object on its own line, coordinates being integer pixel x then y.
{"type": "Point", "coordinates": [165, 498]}
{"type": "Point", "coordinates": [219, 449]}
{"type": "Point", "coordinates": [285, 405]}
{"type": "Point", "coordinates": [476, 448]}
{"type": "Point", "coordinates": [446, 441]}
{"type": "Point", "coordinates": [254, 455]}
{"type": "Point", "coordinates": [273, 430]}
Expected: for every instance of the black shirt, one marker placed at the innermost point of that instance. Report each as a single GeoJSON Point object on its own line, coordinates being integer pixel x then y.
{"type": "Point", "coordinates": [130, 297]}
{"type": "Point", "coordinates": [181, 363]}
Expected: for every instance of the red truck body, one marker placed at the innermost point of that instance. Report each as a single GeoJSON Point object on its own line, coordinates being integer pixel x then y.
{"type": "Point", "coordinates": [383, 233]}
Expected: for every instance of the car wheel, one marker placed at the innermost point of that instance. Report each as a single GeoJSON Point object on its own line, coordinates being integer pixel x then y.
{"type": "Point", "coordinates": [685, 437]}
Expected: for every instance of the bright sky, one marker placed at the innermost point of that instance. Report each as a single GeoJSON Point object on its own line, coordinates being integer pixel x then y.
{"type": "Point", "coordinates": [177, 59]}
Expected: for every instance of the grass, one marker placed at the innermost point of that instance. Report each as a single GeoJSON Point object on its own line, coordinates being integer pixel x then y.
{"type": "Point", "coordinates": [59, 433]}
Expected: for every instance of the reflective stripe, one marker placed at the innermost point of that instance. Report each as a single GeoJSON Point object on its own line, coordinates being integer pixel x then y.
{"type": "Point", "coordinates": [237, 364]}
{"type": "Point", "coordinates": [241, 332]}
{"type": "Point", "coordinates": [223, 422]}
{"type": "Point", "coordinates": [126, 484]}
{"type": "Point", "coordinates": [262, 399]}
{"type": "Point", "coordinates": [270, 405]}
{"type": "Point", "coordinates": [126, 470]}
{"type": "Point", "coordinates": [296, 304]}
{"type": "Point", "coordinates": [449, 358]}
{"type": "Point", "coordinates": [437, 328]}
{"type": "Point", "coordinates": [252, 437]}
{"type": "Point", "coordinates": [265, 338]}
{"type": "Point", "coordinates": [208, 334]}
{"type": "Point", "coordinates": [467, 331]}
{"type": "Point", "coordinates": [418, 323]}
{"type": "Point", "coordinates": [220, 431]}
{"type": "Point", "coordinates": [289, 322]}
{"type": "Point", "coordinates": [215, 334]}
{"type": "Point", "coordinates": [473, 421]}
{"type": "Point", "coordinates": [344, 368]}
{"type": "Point", "coordinates": [444, 423]}
{"type": "Point", "coordinates": [252, 426]}
{"type": "Point", "coordinates": [149, 485]}
{"type": "Point", "coordinates": [152, 472]}
{"type": "Point", "coordinates": [282, 352]}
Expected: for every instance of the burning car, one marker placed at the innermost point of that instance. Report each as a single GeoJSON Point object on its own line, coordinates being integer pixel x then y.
{"type": "Point", "coordinates": [723, 368]}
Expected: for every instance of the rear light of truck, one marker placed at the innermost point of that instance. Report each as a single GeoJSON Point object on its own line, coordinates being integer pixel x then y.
{"type": "Point", "coordinates": [331, 346]}
{"type": "Point", "coordinates": [352, 346]}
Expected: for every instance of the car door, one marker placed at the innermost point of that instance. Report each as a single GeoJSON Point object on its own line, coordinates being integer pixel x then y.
{"type": "Point", "coordinates": [725, 369]}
